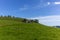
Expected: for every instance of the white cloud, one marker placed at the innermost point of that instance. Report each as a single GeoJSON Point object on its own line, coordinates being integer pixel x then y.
{"type": "Point", "coordinates": [48, 3]}
{"type": "Point", "coordinates": [52, 20]}
{"type": "Point", "coordinates": [22, 9]}
{"type": "Point", "coordinates": [25, 7]}
{"type": "Point", "coordinates": [42, 4]}
{"type": "Point", "coordinates": [56, 2]}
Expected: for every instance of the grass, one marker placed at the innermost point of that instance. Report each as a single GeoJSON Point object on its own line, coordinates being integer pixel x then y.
{"type": "Point", "coordinates": [17, 30]}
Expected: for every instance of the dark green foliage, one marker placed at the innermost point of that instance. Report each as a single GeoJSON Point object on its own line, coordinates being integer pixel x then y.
{"type": "Point", "coordinates": [30, 21]}
{"type": "Point", "coordinates": [13, 17]}
{"type": "Point", "coordinates": [9, 16]}
{"type": "Point", "coordinates": [1, 16]}
{"type": "Point", "coordinates": [25, 20]}
{"type": "Point", "coordinates": [36, 21]}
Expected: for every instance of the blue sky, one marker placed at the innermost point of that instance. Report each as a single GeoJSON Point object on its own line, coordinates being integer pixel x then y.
{"type": "Point", "coordinates": [43, 10]}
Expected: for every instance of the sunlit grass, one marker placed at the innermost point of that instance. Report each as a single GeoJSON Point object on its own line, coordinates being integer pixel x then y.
{"type": "Point", "coordinates": [17, 30]}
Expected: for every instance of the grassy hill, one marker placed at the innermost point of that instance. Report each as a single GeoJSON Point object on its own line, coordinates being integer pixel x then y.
{"type": "Point", "coordinates": [14, 29]}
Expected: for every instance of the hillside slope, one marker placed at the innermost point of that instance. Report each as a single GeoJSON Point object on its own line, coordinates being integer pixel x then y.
{"type": "Point", "coordinates": [17, 30]}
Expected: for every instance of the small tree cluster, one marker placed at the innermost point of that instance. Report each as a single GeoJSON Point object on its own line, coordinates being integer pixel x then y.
{"type": "Point", "coordinates": [30, 21]}
{"type": "Point", "coordinates": [36, 21]}
{"type": "Point", "coordinates": [24, 20]}
{"type": "Point", "coordinates": [7, 16]}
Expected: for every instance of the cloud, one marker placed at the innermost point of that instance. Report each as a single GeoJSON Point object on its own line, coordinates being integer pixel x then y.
{"type": "Point", "coordinates": [42, 4]}
{"type": "Point", "coordinates": [52, 20]}
{"type": "Point", "coordinates": [25, 7]}
{"type": "Point", "coordinates": [56, 2]}
{"type": "Point", "coordinates": [48, 3]}
{"type": "Point", "coordinates": [22, 9]}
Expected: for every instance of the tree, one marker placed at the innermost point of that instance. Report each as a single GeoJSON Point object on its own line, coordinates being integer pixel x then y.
{"type": "Point", "coordinates": [24, 20]}
{"type": "Point", "coordinates": [1, 16]}
{"type": "Point", "coordinates": [32, 20]}
{"type": "Point", "coordinates": [9, 16]}
{"type": "Point", "coordinates": [36, 21]}
{"type": "Point", "coordinates": [13, 17]}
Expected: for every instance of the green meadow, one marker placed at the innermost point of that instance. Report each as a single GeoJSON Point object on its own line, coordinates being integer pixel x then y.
{"type": "Point", "coordinates": [15, 29]}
